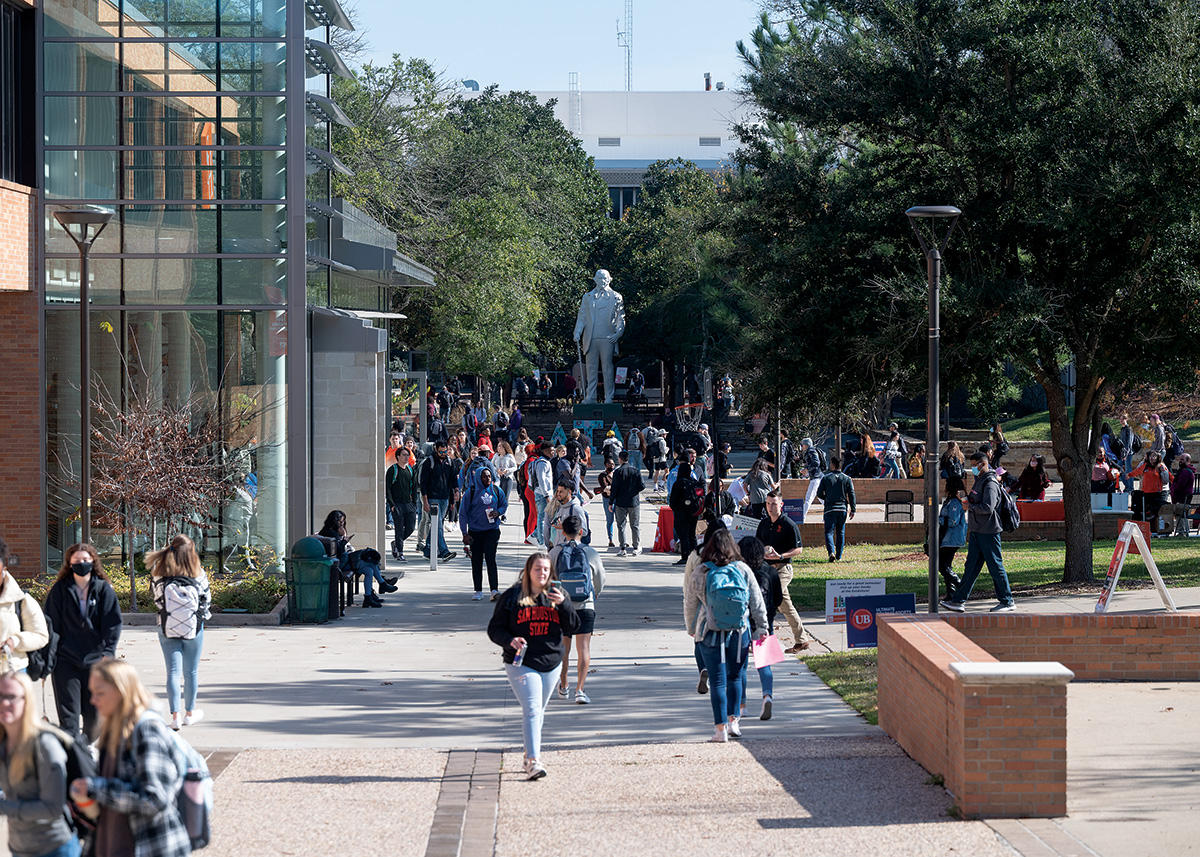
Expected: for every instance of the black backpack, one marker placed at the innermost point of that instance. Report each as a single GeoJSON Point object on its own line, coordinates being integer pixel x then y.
{"type": "Point", "coordinates": [823, 458]}
{"type": "Point", "coordinates": [41, 662]}
{"type": "Point", "coordinates": [80, 765]}
{"type": "Point", "coordinates": [1175, 447]}
{"type": "Point", "coordinates": [1118, 448]}
{"type": "Point", "coordinates": [1136, 443]}
{"type": "Point", "coordinates": [1010, 515]}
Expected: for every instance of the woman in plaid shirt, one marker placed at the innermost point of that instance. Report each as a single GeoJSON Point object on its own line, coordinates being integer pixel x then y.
{"type": "Point", "coordinates": [139, 771]}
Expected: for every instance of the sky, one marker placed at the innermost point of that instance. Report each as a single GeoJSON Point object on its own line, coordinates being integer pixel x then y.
{"type": "Point", "coordinates": [534, 45]}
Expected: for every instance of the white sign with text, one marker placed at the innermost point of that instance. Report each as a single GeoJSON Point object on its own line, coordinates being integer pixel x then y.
{"type": "Point", "coordinates": [837, 591]}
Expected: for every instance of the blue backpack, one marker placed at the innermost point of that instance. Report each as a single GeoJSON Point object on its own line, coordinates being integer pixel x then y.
{"type": "Point", "coordinates": [727, 595]}
{"type": "Point", "coordinates": [574, 573]}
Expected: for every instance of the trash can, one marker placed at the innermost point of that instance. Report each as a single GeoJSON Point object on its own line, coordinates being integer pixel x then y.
{"type": "Point", "coordinates": [308, 573]}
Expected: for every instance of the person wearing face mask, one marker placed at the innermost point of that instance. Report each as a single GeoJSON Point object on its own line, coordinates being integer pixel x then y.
{"type": "Point", "coordinates": [83, 608]}
{"type": "Point", "coordinates": [983, 539]}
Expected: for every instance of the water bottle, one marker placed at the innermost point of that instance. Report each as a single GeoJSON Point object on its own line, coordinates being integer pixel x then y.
{"type": "Point", "coordinates": [519, 658]}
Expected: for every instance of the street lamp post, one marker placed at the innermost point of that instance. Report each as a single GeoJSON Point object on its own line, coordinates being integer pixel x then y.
{"type": "Point", "coordinates": [84, 225]}
{"type": "Point", "coordinates": [933, 247]}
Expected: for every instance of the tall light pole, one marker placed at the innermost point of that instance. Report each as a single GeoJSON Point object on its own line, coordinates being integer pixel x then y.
{"type": "Point", "coordinates": [933, 247]}
{"type": "Point", "coordinates": [84, 225]}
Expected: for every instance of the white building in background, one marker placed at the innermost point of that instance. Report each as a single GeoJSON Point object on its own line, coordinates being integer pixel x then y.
{"type": "Point", "coordinates": [627, 131]}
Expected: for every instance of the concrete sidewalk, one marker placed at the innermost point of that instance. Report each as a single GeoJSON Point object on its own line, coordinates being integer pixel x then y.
{"type": "Point", "coordinates": [349, 739]}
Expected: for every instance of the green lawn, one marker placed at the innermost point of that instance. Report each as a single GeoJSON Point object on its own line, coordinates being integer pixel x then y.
{"type": "Point", "coordinates": [1037, 427]}
{"type": "Point", "coordinates": [852, 675]}
{"type": "Point", "coordinates": [1031, 566]}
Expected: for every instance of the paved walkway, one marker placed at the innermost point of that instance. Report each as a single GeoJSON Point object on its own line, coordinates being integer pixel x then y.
{"type": "Point", "coordinates": [393, 731]}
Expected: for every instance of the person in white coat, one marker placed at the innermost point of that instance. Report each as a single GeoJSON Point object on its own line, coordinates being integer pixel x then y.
{"type": "Point", "coordinates": [21, 631]}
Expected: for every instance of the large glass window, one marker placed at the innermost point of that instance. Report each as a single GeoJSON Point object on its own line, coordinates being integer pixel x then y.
{"type": "Point", "coordinates": [223, 368]}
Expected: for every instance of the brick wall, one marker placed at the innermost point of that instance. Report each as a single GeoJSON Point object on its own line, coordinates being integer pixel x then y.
{"type": "Point", "coordinates": [1105, 527]}
{"type": "Point", "coordinates": [18, 251]}
{"type": "Point", "coordinates": [918, 695]}
{"type": "Point", "coordinates": [1119, 647]}
{"type": "Point", "coordinates": [21, 417]}
{"type": "Point", "coordinates": [995, 732]}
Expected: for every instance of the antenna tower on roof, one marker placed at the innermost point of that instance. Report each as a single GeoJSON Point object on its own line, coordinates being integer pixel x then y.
{"type": "Point", "coordinates": [625, 40]}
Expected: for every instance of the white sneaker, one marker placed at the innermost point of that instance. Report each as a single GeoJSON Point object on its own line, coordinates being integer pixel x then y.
{"type": "Point", "coordinates": [622, 552]}
{"type": "Point", "coordinates": [536, 771]}
{"type": "Point", "coordinates": [530, 540]}
{"type": "Point", "coordinates": [176, 721]}
{"type": "Point", "coordinates": [766, 709]}
{"type": "Point", "coordinates": [720, 736]}
{"type": "Point", "coordinates": [636, 552]}
{"type": "Point", "coordinates": [478, 596]}
{"type": "Point", "coordinates": [734, 728]}
{"type": "Point", "coordinates": [563, 693]}
{"type": "Point", "coordinates": [195, 717]}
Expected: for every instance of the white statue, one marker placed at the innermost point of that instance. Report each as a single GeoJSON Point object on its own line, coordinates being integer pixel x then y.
{"type": "Point", "coordinates": [600, 324]}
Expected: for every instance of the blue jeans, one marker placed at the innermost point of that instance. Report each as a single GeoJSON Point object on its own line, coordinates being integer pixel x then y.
{"type": "Point", "coordinates": [635, 459]}
{"type": "Point", "coordinates": [370, 574]}
{"type": "Point", "coordinates": [835, 532]}
{"type": "Point", "coordinates": [608, 516]}
{"type": "Point", "coordinates": [70, 848]}
{"type": "Point", "coordinates": [892, 466]}
{"type": "Point", "coordinates": [725, 680]}
{"type": "Point", "coordinates": [1126, 479]}
{"type": "Point", "coordinates": [182, 656]}
{"type": "Point", "coordinates": [540, 502]}
{"type": "Point", "coordinates": [533, 690]}
{"type": "Point", "coordinates": [981, 548]}
{"type": "Point", "coordinates": [437, 515]}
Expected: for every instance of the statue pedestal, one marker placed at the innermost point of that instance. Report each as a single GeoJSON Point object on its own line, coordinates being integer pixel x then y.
{"type": "Point", "coordinates": [608, 413]}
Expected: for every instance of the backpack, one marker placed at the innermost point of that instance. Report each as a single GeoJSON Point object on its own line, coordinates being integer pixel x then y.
{"type": "Point", "coordinates": [1010, 516]}
{"type": "Point", "coordinates": [1175, 447]}
{"type": "Point", "coordinates": [194, 800]}
{"type": "Point", "coordinates": [727, 595]}
{"type": "Point", "coordinates": [501, 420]}
{"type": "Point", "coordinates": [574, 573]}
{"type": "Point", "coordinates": [823, 458]}
{"type": "Point", "coordinates": [696, 498]}
{"type": "Point", "coordinates": [43, 661]}
{"type": "Point", "coordinates": [80, 765]}
{"type": "Point", "coordinates": [179, 616]}
{"type": "Point", "coordinates": [1118, 448]}
{"type": "Point", "coordinates": [660, 448]}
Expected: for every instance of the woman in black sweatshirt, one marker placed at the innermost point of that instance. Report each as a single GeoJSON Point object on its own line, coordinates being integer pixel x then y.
{"type": "Point", "coordinates": [83, 609]}
{"type": "Point", "coordinates": [530, 621]}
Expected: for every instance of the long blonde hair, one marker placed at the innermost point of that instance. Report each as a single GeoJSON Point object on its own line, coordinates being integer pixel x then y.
{"type": "Point", "coordinates": [28, 728]}
{"type": "Point", "coordinates": [528, 599]}
{"type": "Point", "coordinates": [178, 559]}
{"type": "Point", "coordinates": [135, 699]}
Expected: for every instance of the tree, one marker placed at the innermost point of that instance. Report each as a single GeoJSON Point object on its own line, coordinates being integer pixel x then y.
{"type": "Point", "coordinates": [1067, 133]}
{"type": "Point", "coordinates": [493, 193]}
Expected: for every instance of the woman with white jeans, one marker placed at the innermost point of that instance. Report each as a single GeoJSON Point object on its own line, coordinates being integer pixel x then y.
{"type": "Point", "coordinates": [529, 624]}
{"type": "Point", "coordinates": [182, 595]}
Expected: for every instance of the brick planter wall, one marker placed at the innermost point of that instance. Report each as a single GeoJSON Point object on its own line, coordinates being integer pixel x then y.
{"type": "Point", "coordinates": [996, 732]}
{"type": "Point", "coordinates": [1096, 647]}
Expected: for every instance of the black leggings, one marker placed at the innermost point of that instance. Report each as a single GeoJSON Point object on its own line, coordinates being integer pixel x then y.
{"type": "Point", "coordinates": [483, 546]}
{"type": "Point", "coordinates": [72, 698]}
{"type": "Point", "coordinates": [685, 528]}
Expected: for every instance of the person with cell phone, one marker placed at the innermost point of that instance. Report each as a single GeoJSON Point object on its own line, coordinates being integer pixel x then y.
{"type": "Point", "coordinates": [531, 620]}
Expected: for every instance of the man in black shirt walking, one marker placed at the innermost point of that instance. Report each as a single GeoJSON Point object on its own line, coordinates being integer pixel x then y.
{"type": "Point", "coordinates": [782, 538]}
{"type": "Point", "coordinates": [439, 478]}
{"type": "Point", "coordinates": [627, 486]}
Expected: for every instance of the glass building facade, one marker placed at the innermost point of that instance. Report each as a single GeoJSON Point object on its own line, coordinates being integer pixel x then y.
{"type": "Point", "coordinates": [203, 125]}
